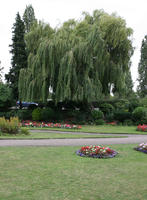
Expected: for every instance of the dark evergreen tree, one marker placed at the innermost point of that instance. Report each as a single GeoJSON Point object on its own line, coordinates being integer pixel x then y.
{"type": "Point", "coordinates": [19, 56]}
{"type": "Point", "coordinates": [142, 70]}
{"type": "Point", "coordinates": [29, 17]}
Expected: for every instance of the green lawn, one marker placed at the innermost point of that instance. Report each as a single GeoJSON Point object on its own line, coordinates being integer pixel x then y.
{"type": "Point", "coordinates": [103, 129]}
{"type": "Point", "coordinates": [47, 135]}
{"type": "Point", "coordinates": [57, 173]}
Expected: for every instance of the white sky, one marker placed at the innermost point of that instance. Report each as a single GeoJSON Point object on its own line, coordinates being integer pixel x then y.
{"type": "Point", "coordinates": [55, 12]}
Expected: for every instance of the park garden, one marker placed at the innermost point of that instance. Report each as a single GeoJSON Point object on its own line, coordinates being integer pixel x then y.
{"type": "Point", "coordinates": [79, 76]}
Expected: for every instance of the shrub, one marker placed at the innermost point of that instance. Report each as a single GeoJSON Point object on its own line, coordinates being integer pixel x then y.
{"type": "Point", "coordinates": [81, 117]}
{"type": "Point", "coordinates": [128, 122]}
{"type": "Point", "coordinates": [121, 104]}
{"type": "Point", "coordinates": [140, 114]}
{"type": "Point", "coordinates": [99, 122]}
{"type": "Point", "coordinates": [106, 108]}
{"type": "Point", "coordinates": [2, 114]}
{"type": "Point", "coordinates": [9, 126]}
{"type": "Point", "coordinates": [121, 116]}
{"type": "Point", "coordinates": [143, 102]}
{"type": "Point", "coordinates": [24, 114]}
{"type": "Point", "coordinates": [24, 131]}
{"type": "Point", "coordinates": [134, 103]}
{"type": "Point", "coordinates": [37, 114]}
{"type": "Point", "coordinates": [5, 97]}
{"type": "Point", "coordinates": [109, 117]}
{"type": "Point", "coordinates": [48, 114]}
{"type": "Point", "coordinates": [97, 114]}
{"type": "Point", "coordinates": [7, 115]}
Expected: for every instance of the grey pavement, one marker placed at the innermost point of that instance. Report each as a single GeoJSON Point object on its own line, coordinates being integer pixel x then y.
{"type": "Point", "coordinates": [130, 139]}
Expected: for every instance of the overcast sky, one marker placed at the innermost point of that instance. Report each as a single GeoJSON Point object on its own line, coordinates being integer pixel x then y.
{"type": "Point", "coordinates": [55, 12]}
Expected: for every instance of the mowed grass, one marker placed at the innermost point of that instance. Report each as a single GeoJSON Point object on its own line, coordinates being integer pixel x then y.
{"type": "Point", "coordinates": [103, 129]}
{"type": "Point", "coordinates": [57, 173]}
{"type": "Point", "coordinates": [48, 135]}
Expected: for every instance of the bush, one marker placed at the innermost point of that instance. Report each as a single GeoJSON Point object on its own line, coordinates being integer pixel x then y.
{"type": "Point", "coordinates": [9, 114]}
{"type": "Point", "coordinates": [121, 104]}
{"type": "Point", "coordinates": [37, 114]}
{"type": "Point", "coordinates": [134, 103]}
{"type": "Point", "coordinates": [143, 102]}
{"type": "Point", "coordinates": [5, 97]}
{"type": "Point", "coordinates": [99, 122]}
{"type": "Point", "coordinates": [9, 126]}
{"type": "Point", "coordinates": [121, 116]}
{"type": "Point", "coordinates": [48, 114]}
{"type": "Point", "coordinates": [97, 114]}
{"type": "Point", "coordinates": [21, 114]}
{"type": "Point", "coordinates": [24, 114]}
{"type": "Point", "coordinates": [140, 114]}
{"type": "Point", "coordinates": [106, 108]}
{"type": "Point", "coordinates": [109, 117]}
{"type": "Point", "coordinates": [2, 114]}
{"type": "Point", "coordinates": [81, 117]}
{"type": "Point", "coordinates": [24, 131]}
{"type": "Point", "coordinates": [128, 122]}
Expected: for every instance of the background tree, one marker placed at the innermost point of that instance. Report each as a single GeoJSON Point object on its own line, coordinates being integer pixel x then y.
{"type": "Point", "coordinates": [35, 75]}
{"type": "Point", "coordinates": [128, 91]}
{"type": "Point", "coordinates": [5, 97]}
{"type": "Point", "coordinates": [29, 17]}
{"type": "Point", "coordinates": [1, 71]}
{"type": "Point", "coordinates": [142, 69]}
{"type": "Point", "coordinates": [19, 56]}
{"type": "Point", "coordinates": [80, 61]}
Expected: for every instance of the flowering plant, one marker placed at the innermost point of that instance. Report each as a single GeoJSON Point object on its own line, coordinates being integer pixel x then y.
{"type": "Point", "coordinates": [112, 123]}
{"type": "Point", "coordinates": [96, 152]}
{"type": "Point", "coordinates": [142, 128]}
{"type": "Point", "coordinates": [142, 147]}
{"type": "Point", "coordinates": [49, 125]}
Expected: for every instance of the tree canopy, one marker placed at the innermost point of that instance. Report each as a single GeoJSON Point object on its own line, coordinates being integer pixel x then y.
{"type": "Point", "coordinates": [80, 61]}
{"type": "Point", "coordinates": [29, 17]}
{"type": "Point", "coordinates": [1, 71]}
{"type": "Point", "coordinates": [5, 97]}
{"type": "Point", "coordinates": [142, 69]}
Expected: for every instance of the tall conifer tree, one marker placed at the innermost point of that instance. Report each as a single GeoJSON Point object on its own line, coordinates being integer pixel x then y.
{"type": "Point", "coordinates": [19, 56]}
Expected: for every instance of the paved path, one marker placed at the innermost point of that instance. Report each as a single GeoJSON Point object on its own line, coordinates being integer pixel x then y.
{"type": "Point", "coordinates": [131, 139]}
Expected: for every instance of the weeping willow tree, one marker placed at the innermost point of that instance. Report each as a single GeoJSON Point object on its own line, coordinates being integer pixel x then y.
{"type": "Point", "coordinates": [80, 61]}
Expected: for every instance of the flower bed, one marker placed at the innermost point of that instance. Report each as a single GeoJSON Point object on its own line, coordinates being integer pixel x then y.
{"type": "Point", "coordinates": [112, 123]}
{"type": "Point", "coordinates": [96, 152]}
{"type": "Point", "coordinates": [142, 147]}
{"type": "Point", "coordinates": [49, 125]}
{"type": "Point", "coordinates": [142, 128]}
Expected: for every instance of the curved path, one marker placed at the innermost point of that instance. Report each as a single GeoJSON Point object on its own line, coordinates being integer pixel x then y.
{"type": "Point", "coordinates": [130, 139]}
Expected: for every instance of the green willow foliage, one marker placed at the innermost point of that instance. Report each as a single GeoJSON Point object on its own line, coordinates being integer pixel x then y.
{"type": "Point", "coordinates": [80, 61]}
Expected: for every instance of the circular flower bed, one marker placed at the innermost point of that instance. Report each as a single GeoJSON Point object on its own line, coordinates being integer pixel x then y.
{"type": "Point", "coordinates": [96, 152]}
{"type": "Point", "coordinates": [142, 147]}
